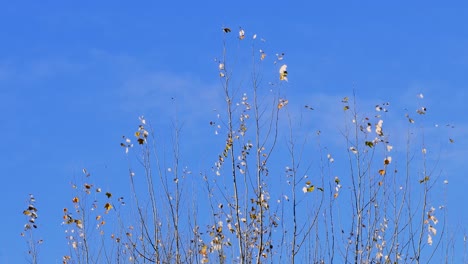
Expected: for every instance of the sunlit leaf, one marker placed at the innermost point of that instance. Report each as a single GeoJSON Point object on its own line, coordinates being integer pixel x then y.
{"type": "Point", "coordinates": [388, 160]}
{"type": "Point", "coordinates": [75, 200]}
{"type": "Point", "coordinates": [434, 219]}
{"type": "Point", "coordinates": [283, 73]}
{"type": "Point", "coordinates": [108, 206]}
{"type": "Point", "coordinates": [241, 34]}
{"type": "Point", "coordinates": [424, 180]}
{"type": "Point", "coordinates": [421, 111]}
{"type": "Point", "coordinates": [78, 223]}
{"type": "Point", "coordinates": [311, 188]}
{"type": "Point", "coordinates": [69, 219]}
{"type": "Point", "coordinates": [282, 103]}
{"type": "Point", "coordinates": [382, 172]}
{"type": "Point", "coordinates": [378, 128]}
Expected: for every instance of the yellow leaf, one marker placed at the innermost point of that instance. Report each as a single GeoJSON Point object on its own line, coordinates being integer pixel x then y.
{"type": "Point", "coordinates": [283, 73]}
{"type": "Point", "coordinates": [282, 102]}
{"type": "Point", "coordinates": [382, 172]}
{"type": "Point", "coordinates": [311, 188]}
{"type": "Point", "coordinates": [203, 250]}
{"type": "Point", "coordinates": [78, 223]}
{"type": "Point", "coordinates": [108, 206]}
{"type": "Point", "coordinates": [76, 200]}
{"type": "Point", "coordinates": [424, 180]}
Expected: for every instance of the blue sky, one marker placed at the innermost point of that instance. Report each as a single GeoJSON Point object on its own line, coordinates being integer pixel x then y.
{"type": "Point", "coordinates": [74, 77]}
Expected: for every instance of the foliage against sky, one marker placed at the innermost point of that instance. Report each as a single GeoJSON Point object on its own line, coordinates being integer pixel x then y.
{"type": "Point", "coordinates": [74, 78]}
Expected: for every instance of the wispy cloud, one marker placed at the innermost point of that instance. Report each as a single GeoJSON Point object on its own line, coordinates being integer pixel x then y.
{"type": "Point", "coordinates": [166, 92]}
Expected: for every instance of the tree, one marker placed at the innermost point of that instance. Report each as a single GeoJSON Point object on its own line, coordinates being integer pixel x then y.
{"type": "Point", "coordinates": [273, 195]}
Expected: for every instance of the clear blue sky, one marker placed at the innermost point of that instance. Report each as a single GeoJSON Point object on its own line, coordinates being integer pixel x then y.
{"type": "Point", "coordinates": [74, 77]}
